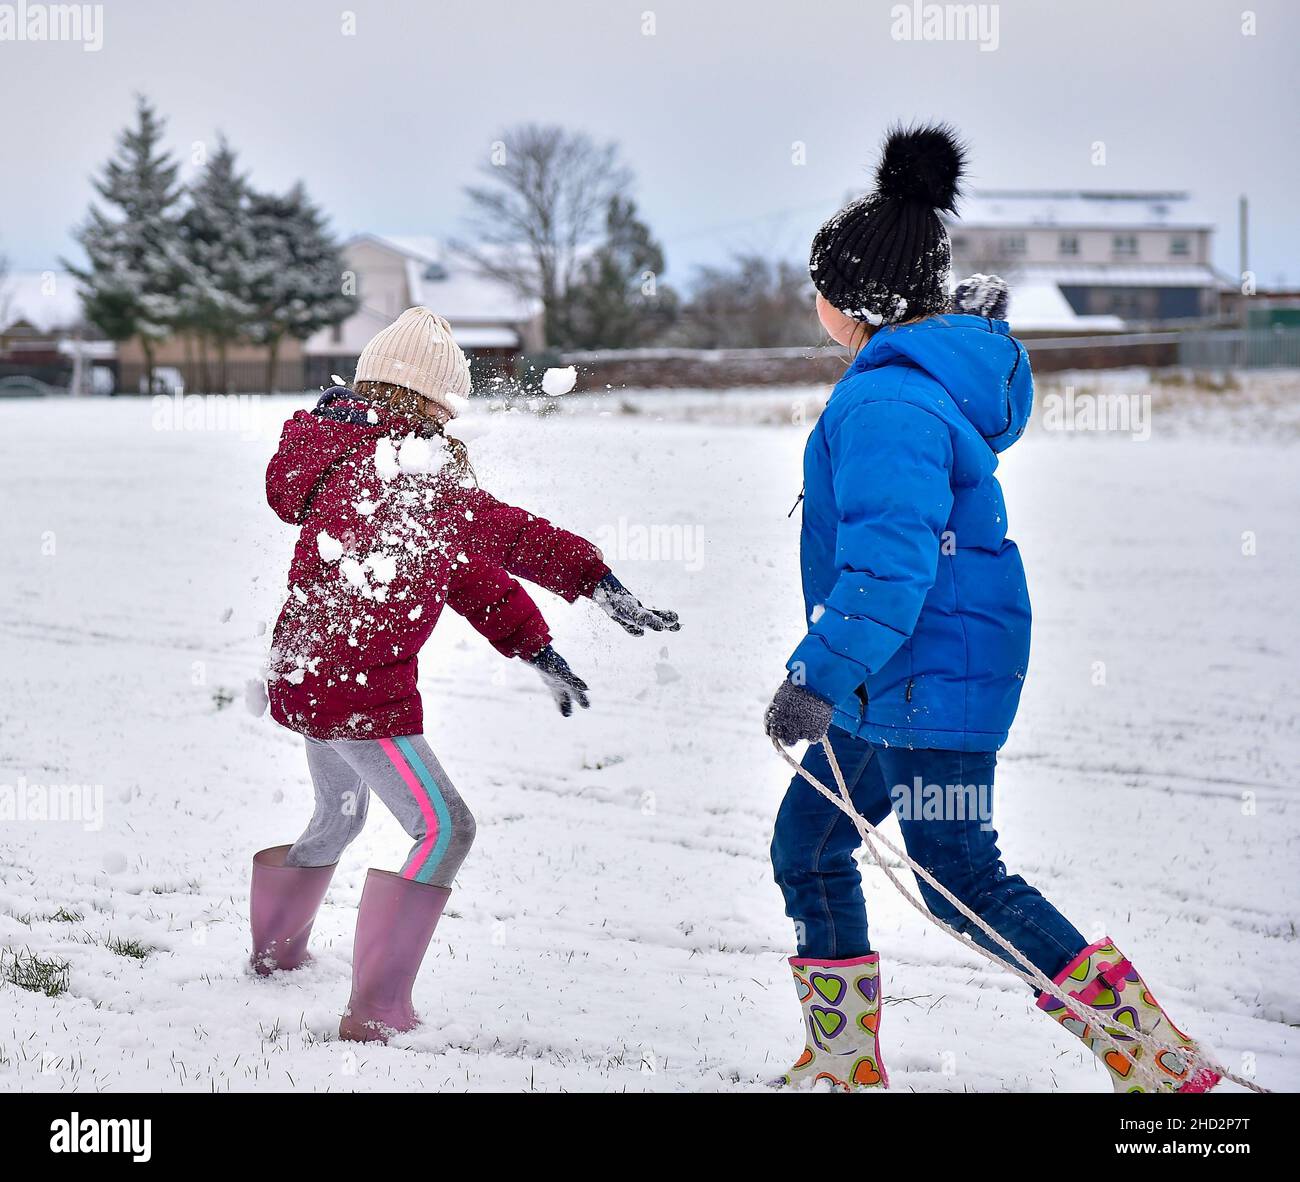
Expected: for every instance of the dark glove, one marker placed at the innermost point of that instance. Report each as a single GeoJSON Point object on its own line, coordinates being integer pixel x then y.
{"type": "Point", "coordinates": [625, 609]}
{"type": "Point", "coordinates": [796, 713]}
{"type": "Point", "coordinates": [565, 685]}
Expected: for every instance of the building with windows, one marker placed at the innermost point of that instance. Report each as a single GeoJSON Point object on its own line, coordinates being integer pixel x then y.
{"type": "Point", "coordinates": [489, 320]}
{"type": "Point", "coordinates": [44, 334]}
{"type": "Point", "coordinates": [1091, 261]}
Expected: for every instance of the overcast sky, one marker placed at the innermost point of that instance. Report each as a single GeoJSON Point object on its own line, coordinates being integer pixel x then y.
{"type": "Point", "coordinates": [387, 125]}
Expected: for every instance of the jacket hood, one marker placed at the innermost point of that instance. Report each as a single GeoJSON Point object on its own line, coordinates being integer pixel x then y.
{"type": "Point", "coordinates": [313, 442]}
{"type": "Point", "coordinates": [982, 366]}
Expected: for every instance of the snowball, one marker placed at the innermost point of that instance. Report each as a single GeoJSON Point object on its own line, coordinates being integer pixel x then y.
{"type": "Point", "coordinates": [362, 679]}
{"type": "Point", "coordinates": [463, 430]}
{"type": "Point", "coordinates": [255, 696]}
{"type": "Point", "coordinates": [295, 676]}
{"type": "Point", "coordinates": [665, 674]}
{"type": "Point", "coordinates": [383, 566]}
{"type": "Point", "coordinates": [385, 459]}
{"type": "Point", "coordinates": [365, 508]}
{"type": "Point", "coordinates": [458, 404]}
{"type": "Point", "coordinates": [338, 381]}
{"type": "Point", "coordinates": [559, 381]}
{"type": "Point", "coordinates": [420, 455]}
{"type": "Point", "coordinates": [355, 574]}
{"type": "Point", "coordinates": [330, 549]}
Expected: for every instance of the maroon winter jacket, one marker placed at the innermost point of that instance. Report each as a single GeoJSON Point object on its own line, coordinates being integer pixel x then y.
{"type": "Point", "coordinates": [377, 558]}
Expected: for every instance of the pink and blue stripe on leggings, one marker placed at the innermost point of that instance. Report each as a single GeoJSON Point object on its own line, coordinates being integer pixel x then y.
{"type": "Point", "coordinates": [428, 853]}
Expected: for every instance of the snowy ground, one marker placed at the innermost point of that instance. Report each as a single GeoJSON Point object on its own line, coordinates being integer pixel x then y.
{"type": "Point", "coordinates": [615, 926]}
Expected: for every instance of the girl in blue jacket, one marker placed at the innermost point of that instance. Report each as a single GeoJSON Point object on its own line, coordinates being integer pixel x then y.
{"type": "Point", "coordinates": [918, 630]}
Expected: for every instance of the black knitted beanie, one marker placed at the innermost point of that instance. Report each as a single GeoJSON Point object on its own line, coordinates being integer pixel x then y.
{"type": "Point", "coordinates": [886, 257]}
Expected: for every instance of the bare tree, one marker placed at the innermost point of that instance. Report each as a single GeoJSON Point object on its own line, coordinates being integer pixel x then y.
{"type": "Point", "coordinates": [543, 206]}
{"type": "Point", "coordinates": [751, 303]}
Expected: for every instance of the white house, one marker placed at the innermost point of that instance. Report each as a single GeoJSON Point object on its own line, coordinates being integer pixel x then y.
{"type": "Point", "coordinates": [1080, 260]}
{"type": "Point", "coordinates": [42, 304]}
{"type": "Point", "coordinates": [44, 334]}
{"type": "Point", "coordinates": [489, 319]}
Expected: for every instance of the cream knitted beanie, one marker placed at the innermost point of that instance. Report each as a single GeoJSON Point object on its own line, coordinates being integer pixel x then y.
{"type": "Point", "coordinates": [417, 351]}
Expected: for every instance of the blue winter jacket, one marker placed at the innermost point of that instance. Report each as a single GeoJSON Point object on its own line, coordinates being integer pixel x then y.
{"type": "Point", "coordinates": [916, 599]}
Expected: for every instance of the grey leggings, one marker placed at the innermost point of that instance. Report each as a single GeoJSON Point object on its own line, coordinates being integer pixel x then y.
{"type": "Point", "coordinates": [409, 780]}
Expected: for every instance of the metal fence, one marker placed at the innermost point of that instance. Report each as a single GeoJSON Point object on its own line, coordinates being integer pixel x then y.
{"type": "Point", "coordinates": [1243, 348]}
{"type": "Point", "coordinates": [1192, 348]}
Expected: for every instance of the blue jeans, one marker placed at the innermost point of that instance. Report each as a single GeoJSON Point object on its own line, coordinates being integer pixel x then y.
{"type": "Point", "coordinates": [943, 800]}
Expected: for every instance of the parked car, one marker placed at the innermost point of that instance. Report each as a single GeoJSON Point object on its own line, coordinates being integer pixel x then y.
{"type": "Point", "coordinates": [23, 386]}
{"type": "Point", "coordinates": [166, 380]}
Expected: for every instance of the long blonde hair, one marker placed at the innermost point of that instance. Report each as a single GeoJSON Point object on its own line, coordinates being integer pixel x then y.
{"type": "Point", "coordinates": [411, 403]}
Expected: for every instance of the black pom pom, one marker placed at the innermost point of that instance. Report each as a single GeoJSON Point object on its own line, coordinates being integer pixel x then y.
{"type": "Point", "coordinates": [922, 164]}
{"type": "Point", "coordinates": [982, 295]}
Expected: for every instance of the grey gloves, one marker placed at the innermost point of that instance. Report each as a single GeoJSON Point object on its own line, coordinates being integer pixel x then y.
{"type": "Point", "coordinates": [565, 685]}
{"type": "Point", "coordinates": [617, 602]}
{"type": "Point", "coordinates": [982, 295]}
{"type": "Point", "coordinates": [796, 714]}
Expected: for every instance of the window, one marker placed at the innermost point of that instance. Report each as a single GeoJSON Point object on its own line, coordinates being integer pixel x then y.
{"type": "Point", "coordinates": [1124, 246]}
{"type": "Point", "coordinates": [1067, 245]}
{"type": "Point", "coordinates": [336, 334]}
{"type": "Point", "coordinates": [1013, 245]}
{"type": "Point", "coordinates": [1180, 246]}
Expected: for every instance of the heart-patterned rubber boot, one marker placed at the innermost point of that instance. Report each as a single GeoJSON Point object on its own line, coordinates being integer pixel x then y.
{"type": "Point", "coordinates": [841, 1012]}
{"type": "Point", "coordinates": [1102, 977]}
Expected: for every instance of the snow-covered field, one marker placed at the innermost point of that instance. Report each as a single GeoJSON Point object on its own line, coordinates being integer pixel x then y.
{"type": "Point", "coordinates": [615, 926]}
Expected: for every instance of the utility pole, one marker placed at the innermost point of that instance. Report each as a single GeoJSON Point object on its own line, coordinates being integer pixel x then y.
{"type": "Point", "coordinates": [1243, 250]}
{"type": "Point", "coordinates": [1243, 253]}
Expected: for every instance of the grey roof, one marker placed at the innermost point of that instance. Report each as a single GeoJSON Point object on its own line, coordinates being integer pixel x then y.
{"type": "Point", "coordinates": [1081, 209]}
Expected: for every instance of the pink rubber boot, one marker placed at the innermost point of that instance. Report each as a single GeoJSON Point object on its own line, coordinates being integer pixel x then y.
{"type": "Point", "coordinates": [1102, 977]}
{"type": "Point", "coordinates": [282, 904]}
{"type": "Point", "coordinates": [394, 925]}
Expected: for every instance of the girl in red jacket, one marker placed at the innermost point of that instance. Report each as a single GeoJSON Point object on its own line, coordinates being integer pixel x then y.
{"type": "Point", "coordinates": [394, 526]}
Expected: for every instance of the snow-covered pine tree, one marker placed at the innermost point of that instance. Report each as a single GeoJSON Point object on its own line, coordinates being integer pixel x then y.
{"type": "Point", "coordinates": [619, 300]}
{"type": "Point", "coordinates": [299, 286]}
{"type": "Point", "coordinates": [131, 281]}
{"type": "Point", "coordinates": [221, 263]}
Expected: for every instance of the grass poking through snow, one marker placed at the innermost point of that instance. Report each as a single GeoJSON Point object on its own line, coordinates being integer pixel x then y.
{"type": "Point", "coordinates": [37, 974]}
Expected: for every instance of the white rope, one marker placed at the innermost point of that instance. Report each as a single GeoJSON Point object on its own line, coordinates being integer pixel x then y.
{"type": "Point", "coordinates": [1031, 974]}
